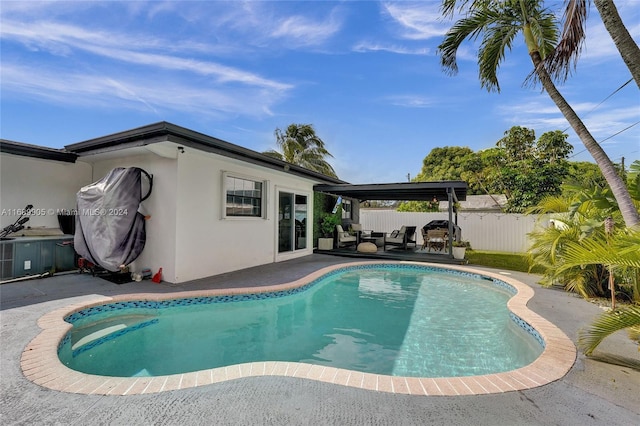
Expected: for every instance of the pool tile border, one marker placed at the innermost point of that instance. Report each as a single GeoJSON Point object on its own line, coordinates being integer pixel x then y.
{"type": "Point", "coordinates": [41, 365]}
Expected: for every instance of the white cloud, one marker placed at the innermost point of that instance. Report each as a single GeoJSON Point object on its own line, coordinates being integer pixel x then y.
{"type": "Point", "coordinates": [545, 116]}
{"type": "Point", "coordinates": [302, 31]}
{"type": "Point", "coordinates": [64, 40]}
{"type": "Point", "coordinates": [412, 101]}
{"type": "Point", "coordinates": [379, 47]}
{"type": "Point", "coordinates": [135, 92]}
{"type": "Point", "coordinates": [418, 21]}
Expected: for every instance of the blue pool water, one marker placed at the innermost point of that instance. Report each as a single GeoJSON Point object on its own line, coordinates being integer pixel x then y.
{"type": "Point", "coordinates": [392, 320]}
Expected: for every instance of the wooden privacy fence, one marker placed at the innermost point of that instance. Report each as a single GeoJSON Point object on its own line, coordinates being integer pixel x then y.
{"type": "Point", "coordinates": [505, 232]}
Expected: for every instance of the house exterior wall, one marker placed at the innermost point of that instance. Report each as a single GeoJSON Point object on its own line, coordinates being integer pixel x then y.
{"type": "Point", "coordinates": [160, 247]}
{"type": "Point", "coordinates": [187, 234]}
{"type": "Point", "coordinates": [50, 186]}
{"type": "Point", "coordinates": [209, 244]}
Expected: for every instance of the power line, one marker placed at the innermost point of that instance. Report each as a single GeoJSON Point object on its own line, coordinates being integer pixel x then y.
{"type": "Point", "coordinates": [595, 107]}
{"type": "Point", "coordinates": [623, 130]}
{"type": "Point", "coordinates": [603, 101]}
{"type": "Point", "coordinates": [606, 139]}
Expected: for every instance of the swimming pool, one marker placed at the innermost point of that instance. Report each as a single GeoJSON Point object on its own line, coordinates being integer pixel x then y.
{"type": "Point", "coordinates": [41, 364]}
{"type": "Point", "coordinates": [397, 320]}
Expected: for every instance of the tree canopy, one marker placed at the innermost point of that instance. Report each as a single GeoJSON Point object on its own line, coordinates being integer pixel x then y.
{"type": "Point", "coordinates": [445, 163]}
{"type": "Point", "coordinates": [521, 167]}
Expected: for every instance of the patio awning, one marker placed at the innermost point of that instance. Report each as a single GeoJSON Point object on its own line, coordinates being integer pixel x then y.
{"type": "Point", "coordinates": [406, 191]}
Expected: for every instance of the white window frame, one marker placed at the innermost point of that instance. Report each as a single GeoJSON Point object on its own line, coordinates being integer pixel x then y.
{"type": "Point", "coordinates": [263, 201]}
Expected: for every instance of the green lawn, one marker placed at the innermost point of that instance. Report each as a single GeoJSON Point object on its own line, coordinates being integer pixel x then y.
{"type": "Point", "coordinates": [494, 259]}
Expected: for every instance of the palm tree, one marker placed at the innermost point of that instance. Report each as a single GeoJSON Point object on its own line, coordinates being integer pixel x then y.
{"type": "Point", "coordinates": [579, 254]}
{"type": "Point", "coordinates": [301, 146]}
{"type": "Point", "coordinates": [498, 22]}
{"type": "Point", "coordinates": [574, 220]}
{"type": "Point", "coordinates": [621, 251]}
{"type": "Point", "coordinates": [628, 48]}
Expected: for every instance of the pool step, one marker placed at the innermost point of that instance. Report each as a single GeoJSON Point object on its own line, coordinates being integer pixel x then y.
{"type": "Point", "coordinates": [87, 338]}
{"type": "Point", "coordinates": [96, 335]}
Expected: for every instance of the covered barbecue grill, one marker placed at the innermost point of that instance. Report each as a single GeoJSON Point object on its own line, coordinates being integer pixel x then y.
{"type": "Point", "coordinates": [110, 231]}
{"type": "Point", "coordinates": [444, 224]}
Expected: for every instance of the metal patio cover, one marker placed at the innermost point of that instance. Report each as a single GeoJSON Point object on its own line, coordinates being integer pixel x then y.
{"type": "Point", "coordinates": [406, 191]}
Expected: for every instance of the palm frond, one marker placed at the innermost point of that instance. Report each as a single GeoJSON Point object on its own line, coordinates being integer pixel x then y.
{"type": "Point", "coordinates": [550, 204]}
{"type": "Point", "coordinates": [448, 49]}
{"type": "Point", "coordinates": [564, 57]}
{"type": "Point", "coordinates": [624, 251]}
{"type": "Point", "coordinates": [579, 283]}
{"type": "Point", "coordinates": [497, 40]}
{"type": "Point", "coordinates": [273, 154]}
{"type": "Point", "coordinates": [449, 7]}
{"type": "Point", "coordinates": [607, 324]}
{"type": "Point", "coordinates": [544, 26]}
{"type": "Point", "coordinates": [300, 145]}
{"type": "Point", "coordinates": [633, 179]}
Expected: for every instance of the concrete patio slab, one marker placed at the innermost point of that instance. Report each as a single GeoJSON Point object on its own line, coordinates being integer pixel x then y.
{"type": "Point", "coordinates": [592, 392]}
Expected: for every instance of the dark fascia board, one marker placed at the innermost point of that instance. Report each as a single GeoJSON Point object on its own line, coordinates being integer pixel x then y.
{"type": "Point", "coordinates": [34, 151]}
{"type": "Point", "coordinates": [417, 191]}
{"type": "Point", "coordinates": [164, 131]}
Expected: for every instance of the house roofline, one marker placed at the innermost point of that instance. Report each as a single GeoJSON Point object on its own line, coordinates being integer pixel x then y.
{"type": "Point", "coordinates": [168, 132]}
{"type": "Point", "coordinates": [35, 151]}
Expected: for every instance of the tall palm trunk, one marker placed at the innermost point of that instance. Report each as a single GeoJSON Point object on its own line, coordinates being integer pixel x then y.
{"type": "Point", "coordinates": [624, 42]}
{"type": "Point", "coordinates": [617, 185]}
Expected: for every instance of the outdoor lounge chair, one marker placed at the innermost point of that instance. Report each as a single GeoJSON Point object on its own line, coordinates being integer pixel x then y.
{"type": "Point", "coordinates": [402, 237]}
{"type": "Point", "coordinates": [344, 238]}
{"type": "Point", "coordinates": [357, 228]}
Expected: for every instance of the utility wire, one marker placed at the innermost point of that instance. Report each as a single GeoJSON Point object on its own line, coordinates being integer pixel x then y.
{"type": "Point", "coordinates": [594, 108]}
{"type": "Point", "coordinates": [606, 139]}
{"type": "Point", "coordinates": [623, 130]}
{"type": "Point", "coordinates": [603, 101]}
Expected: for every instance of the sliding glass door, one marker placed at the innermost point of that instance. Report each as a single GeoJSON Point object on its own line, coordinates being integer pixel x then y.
{"type": "Point", "coordinates": [292, 221]}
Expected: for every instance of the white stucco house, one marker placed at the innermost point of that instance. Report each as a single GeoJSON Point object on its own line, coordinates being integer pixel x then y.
{"type": "Point", "coordinates": [215, 207]}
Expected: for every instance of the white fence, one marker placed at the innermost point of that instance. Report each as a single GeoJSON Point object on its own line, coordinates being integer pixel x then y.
{"type": "Point", "coordinates": [484, 231]}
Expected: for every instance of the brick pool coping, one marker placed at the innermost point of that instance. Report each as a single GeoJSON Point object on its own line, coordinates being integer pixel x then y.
{"type": "Point", "coordinates": [41, 365]}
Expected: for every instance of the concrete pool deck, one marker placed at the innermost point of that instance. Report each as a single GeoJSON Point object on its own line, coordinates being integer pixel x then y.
{"type": "Point", "coordinates": [592, 392]}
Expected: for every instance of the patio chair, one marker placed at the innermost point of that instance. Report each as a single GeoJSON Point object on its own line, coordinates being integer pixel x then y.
{"type": "Point", "coordinates": [359, 232]}
{"type": "Point", "coordinates": [357, 228]}
{"type": "Point", "coordinates": [401, 237]}
{"type": "Point", "coordinates": [411, 235]}
{"type": "Point", "coordinates": [344, 238]}
{"type": "Point", "coordinates": [435, 238]}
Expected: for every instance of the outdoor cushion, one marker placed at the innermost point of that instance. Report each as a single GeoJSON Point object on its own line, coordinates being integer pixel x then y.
{"type": "Point", "coordinates": [367, 248]}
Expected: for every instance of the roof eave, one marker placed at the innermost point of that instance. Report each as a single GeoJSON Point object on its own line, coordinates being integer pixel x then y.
{"type": "Point", "coordinates": [33, 151]}
{"type": "Point", "coordinates": [164, 131]}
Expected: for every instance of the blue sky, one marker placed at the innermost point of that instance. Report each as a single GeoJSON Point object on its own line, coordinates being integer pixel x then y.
{"type": "Point", "coordinates": [365, 74]}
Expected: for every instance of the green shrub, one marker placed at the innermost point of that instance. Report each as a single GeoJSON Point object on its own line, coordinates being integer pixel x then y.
{"type": "Point", "coordinates": [328, 223]}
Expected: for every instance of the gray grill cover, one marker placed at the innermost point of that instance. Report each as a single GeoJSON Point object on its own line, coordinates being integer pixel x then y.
{"type": "Point", "coordinates": [109, 229]}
